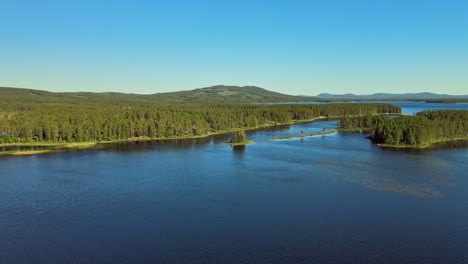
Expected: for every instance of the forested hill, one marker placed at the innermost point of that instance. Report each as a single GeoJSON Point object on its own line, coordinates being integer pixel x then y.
{"type": "Point", "coordinates": [219, 94]}
{"type": "Point", "coordinates": [231, 94]}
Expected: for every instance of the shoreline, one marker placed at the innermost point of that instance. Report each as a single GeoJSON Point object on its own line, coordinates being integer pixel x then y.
{"type": "Point", "coordinates": [139, 139]}
{"type": "Point", "coordinates": [25, 152]}
{"type": "Point", "coordinates": [353, 129]}
{"type": "Point", "coordinates": [73, 146]}
{"type": "Point", "coordinates": [423, 146]}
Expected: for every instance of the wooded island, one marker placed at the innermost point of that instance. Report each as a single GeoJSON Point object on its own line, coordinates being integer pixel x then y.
{"type": "Point", "coordinates": [421, 130]}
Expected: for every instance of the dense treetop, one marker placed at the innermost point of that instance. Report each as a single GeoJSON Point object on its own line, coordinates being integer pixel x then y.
{"type": "Point", "coordinates": [424, 128]}
{"type": "Point", "coordinates": [27, 117]}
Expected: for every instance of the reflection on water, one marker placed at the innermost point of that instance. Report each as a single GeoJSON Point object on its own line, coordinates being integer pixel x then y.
{"type": "Point", "coordinates": [239, 150]}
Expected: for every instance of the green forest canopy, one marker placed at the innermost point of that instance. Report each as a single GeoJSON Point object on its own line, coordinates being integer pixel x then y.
{"type": "Point", "coordinates": [218, 93]}
{"type": "Point", "coordinates": [424, 128]}
{"type": "Point", "coordinates": [66, 120]}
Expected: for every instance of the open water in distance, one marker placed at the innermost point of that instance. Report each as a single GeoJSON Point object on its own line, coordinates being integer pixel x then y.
{"type": "Point", "coordinates": [326, 199]}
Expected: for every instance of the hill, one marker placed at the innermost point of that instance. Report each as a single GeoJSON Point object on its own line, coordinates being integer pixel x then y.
{"type": "Point", "coordinates": [218, 93]}
{"type": "Point", "coordinates": [232, 94]}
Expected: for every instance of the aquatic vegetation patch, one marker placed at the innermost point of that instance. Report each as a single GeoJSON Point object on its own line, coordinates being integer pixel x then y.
{"type": "Point", "coordinates": [306, 135]}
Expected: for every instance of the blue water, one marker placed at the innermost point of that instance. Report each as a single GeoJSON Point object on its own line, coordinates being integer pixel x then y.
{"type": "Point", "coordinates": [326, 199]}
{"type": "Point", "coordinates": [409, 108]}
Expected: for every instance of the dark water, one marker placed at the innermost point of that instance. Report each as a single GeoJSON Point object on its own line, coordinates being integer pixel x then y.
{"type": "Point", "coordinates": [326, 199]}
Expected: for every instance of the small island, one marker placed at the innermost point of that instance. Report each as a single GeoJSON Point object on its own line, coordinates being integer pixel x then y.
{"type": "Point", "coordinates": [239, 139]}
{"type": "Point", "coordinates": [418, 131]}
{"type": "Point", "coordinates": [306, 135]}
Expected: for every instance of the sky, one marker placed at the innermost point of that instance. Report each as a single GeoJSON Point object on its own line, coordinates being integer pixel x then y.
{"type": "Point", "coordinates": [295, 47]}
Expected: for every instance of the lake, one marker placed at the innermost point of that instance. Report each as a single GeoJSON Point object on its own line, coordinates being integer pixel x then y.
{"type": "Point", "coordinates": [336, 198]}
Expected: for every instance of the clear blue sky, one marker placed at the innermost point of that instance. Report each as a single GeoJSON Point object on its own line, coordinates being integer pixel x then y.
{"type": "Point", "coordinates": [293, 46]}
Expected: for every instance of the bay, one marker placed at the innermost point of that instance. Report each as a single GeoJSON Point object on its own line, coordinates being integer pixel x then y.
{"type": "Point", "coordinates": [336, 198]}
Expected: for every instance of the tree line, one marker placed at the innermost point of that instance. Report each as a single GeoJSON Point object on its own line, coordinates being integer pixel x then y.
{"type": "Point", "coordinates": [425, 127]}
{"type": "Point", "coordinates": [102, 121]}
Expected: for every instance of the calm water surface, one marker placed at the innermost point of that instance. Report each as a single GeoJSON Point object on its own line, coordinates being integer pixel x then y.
{"type": "Point", "coordinates": [327, 199]}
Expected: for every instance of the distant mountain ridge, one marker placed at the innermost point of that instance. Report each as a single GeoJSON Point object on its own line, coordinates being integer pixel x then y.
{"type": "Point", "coordinates": [392, 96]}
{"type": "Point", "coordinates": [217, 93]}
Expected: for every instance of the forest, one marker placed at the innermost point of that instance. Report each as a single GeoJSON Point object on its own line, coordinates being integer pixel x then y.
{"type": "Point", "coordinates": [217, 93]}
{"type": "Point", "coordinates": [424, 128]}
{"type": "Point", "coordinates": [108, 120]}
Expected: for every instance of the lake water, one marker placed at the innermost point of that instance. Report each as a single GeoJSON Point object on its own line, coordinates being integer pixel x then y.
{"type": "Point", "coordinates": [326, 199]}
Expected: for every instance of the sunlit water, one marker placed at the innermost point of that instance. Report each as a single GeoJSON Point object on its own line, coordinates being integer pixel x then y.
{"type": "Point", "coordinates": [325, 199]}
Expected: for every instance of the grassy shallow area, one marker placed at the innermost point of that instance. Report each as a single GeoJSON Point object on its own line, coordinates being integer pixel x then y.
{"type": "Point", "coordinates": [240, 143]}
{"type": "Point", "coordinates": [25, 152]}
{"type": "Point", "coordinates": [47, 144]}
{"type": "Point", "coordinates": [80, 145]}
{"type": "Point", "coordinates": [306, 135]}
{"type": "Point", "coordinates": [422, 146]}
{"type": "Point", "coordinates": [46, 148]}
